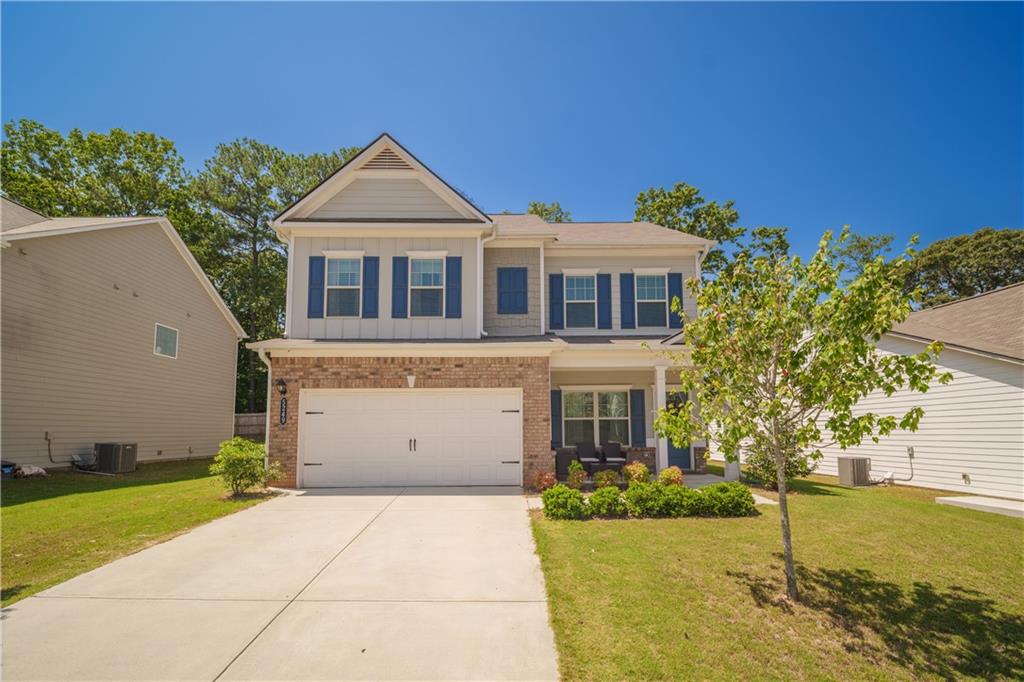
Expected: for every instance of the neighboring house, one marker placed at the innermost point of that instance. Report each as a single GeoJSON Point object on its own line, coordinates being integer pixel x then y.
{"type": "Point", "coordinates": [427, 342]}
{"type": "Point", "coordinates": [111, 332]}
{"type": "Point", "coordinates": [971, 438]}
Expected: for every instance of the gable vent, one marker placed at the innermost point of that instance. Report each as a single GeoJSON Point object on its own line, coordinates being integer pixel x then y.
{"type": "Point", "coordinates": [387, 160]}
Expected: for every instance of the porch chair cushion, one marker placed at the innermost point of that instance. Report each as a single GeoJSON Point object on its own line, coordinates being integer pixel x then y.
{"type": "Point", "coordinates": [613, 453]}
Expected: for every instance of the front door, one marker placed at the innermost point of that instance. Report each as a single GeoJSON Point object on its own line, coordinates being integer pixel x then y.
{"type": "Point", "coordinates": [678, 457]}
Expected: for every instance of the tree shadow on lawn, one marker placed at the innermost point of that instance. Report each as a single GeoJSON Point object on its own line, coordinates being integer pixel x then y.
{"type": "Point", "coordinates": [951, 632]}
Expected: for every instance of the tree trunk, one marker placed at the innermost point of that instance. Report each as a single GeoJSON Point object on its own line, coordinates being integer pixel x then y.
{"type": "Point", "coordinates": [787, 542]}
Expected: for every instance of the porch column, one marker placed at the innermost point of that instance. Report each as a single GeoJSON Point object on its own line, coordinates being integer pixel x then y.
{"type": "Point", "coordinates": [661, 447]}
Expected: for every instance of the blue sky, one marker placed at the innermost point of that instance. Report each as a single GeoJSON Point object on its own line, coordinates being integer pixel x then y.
{"type": "Point", "coordinates": [890, 117]}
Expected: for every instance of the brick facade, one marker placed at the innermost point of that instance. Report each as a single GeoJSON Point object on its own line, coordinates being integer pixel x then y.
{"type": "Point", "coordinates": [529, 373]}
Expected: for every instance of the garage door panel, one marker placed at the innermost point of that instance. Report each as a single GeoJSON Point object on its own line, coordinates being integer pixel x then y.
{"type": "Point", "coordinates": [362, 438]}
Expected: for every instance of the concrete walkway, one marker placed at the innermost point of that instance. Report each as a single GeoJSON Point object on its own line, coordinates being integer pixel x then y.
{"type": "Point", "coordinates": [993, 505]}
{"type": "Point", "coordinates": [439, 584]}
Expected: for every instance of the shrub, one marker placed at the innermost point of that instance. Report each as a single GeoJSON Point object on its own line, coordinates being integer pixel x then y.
{"type": "Point", "coordinates": [678, 500]}
{"type": "Point", "coordinates": [636, 472]}
{"type": "Point", "coordinates": [562, 502]}
{"type": "Point", "coordinates": [761, 465]}
{"type": "Point", "coordinates": [644, 500]}
{"type": "Point", "coordinates": [544, 480]}
{"type": "Point", "coordinates": [727, 499]}
{"type": "Point", "coordinates": [607, 502]}
{"type": "Point", "coordinates": [239, 463]}
{"type": "Point", "coordinates": [606, 478]}
{"type": "Point", "coordinates": [671, 476]}
{"type": "Point", "coordinates": [577, 475]}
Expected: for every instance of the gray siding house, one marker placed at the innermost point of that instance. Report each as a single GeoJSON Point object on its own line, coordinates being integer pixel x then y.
{"type": "Point", "coordinates": [111, 332]}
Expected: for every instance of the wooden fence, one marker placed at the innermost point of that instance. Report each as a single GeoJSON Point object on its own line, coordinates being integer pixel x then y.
{"type": "Point", "coordinates": [252, 426]}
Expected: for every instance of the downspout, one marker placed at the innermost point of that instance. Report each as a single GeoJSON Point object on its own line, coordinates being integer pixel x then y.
{"type": "Point", "coordinates": [266, 429]}
{"type": "Point", "coordinates": [480, 280]}
{"type": "Point", "coordinates": [543, 296]}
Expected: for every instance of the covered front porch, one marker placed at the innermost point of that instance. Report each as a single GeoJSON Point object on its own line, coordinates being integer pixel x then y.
{"type": "Point", "coordinates": [610, 392]}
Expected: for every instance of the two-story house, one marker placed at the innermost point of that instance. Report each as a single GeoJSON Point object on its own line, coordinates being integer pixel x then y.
{"type": "Point", "coordinates": [429, 343]}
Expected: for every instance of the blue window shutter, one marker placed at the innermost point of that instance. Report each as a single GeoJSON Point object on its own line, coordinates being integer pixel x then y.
{"type": "Point", "coordinates": [604, 301]}
{"type": "Point", "coordinates": [453, 287]}
{"type": "Point", "coordinates": [675, 290]}
{"type": "Point", "coordinates": [371, 285]}
{"type": "Point", "coordinates": [556, 419]}
{"type": "Point", "coordinates": [512, 299]}
{"type": "Point", "coordinates": [317, 273]}
{"type": "Point", "coordinates": [637, 418]}
{"type": "Point", "coordinates": [399, 286]}
{"type": "Point", "coordinates": [556, 298]}
{"type": "Point", "coordinates": [626, 300]}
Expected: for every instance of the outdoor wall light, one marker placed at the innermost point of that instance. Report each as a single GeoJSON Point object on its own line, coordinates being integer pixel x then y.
{"type": "Point", "coordinates": [281, 386]}
{"type": "Point", "coordinates": [411, 380]}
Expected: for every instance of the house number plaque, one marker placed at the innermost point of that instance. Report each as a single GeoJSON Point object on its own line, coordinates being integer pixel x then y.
{"type": "Point", "coordinates": [283, 412]}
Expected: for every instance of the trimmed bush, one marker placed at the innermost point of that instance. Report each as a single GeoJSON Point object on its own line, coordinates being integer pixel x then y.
{"type": "Point", "coordinates": [239, 463]}
{"type": "Point", "coordinates": [678, 500]}
{"type": "Point", "coordinates": [577, 475]}
{"type": "Point", "coordinates": [544, 480]}
{"type": "Point", "coordinates": [727, 499]}
{"type": "Point", "coordinates": [607, 502]}
{"type": "Point", "coordinates": [644, 500]}
{"type": "Point", "coordinates": [671, 476]}
{"type": "Point", "coordinates": [606, 478]}
{"type": "Point", "coordinates": [636, 472]}
{"type": "Point", "coordinates": [761, 466]}
{"type": "Point", "coordinates": [563, 503]}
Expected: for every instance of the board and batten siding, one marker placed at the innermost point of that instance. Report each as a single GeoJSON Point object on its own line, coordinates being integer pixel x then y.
{"type": "Point", "coordinates": [614, 265]}
{"type": "Point", "coordinates": [973, 426]}
{"type": "Point", "coordinates": [78, 320]}
{"type": "Point", "coordinates": [512, 325]}
{"type": "Point", "coordinates": [385, 198]}
{"type": "Point", "coordinates": [384, 326]}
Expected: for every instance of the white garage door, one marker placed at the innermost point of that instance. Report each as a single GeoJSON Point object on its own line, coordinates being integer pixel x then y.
{"type": "Point", "coordinates": [411, 437]}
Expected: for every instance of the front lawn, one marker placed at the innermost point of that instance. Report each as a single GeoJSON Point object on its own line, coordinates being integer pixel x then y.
{"type": "Point", "coordinates": [894, 585]}
{"type": "Point", "coordinates": [55, 528]}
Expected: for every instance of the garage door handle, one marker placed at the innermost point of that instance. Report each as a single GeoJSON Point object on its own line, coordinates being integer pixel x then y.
{"type": "Point", "coordinates": [314, 413]}
{"type": "Point", "coordinates": [505, 411]}
{"type": "Point", "coordinates": [414, 445]}
{"type": "Point", "coordinates": [510, 461]}
{"type": "Point", "coordinates": [312, 464]}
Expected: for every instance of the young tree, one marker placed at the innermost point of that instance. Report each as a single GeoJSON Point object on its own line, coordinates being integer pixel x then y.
{"type": "Point", "coordinates": [248, 183]}
{"type": "Point", "coordinates": [966, 265]}
{"type": "Point", "coordinates": [781, 354]}
{"type": "Point", "coordinates": [553, 212]}
{"type": "Point", "coordinates": [683, 208]}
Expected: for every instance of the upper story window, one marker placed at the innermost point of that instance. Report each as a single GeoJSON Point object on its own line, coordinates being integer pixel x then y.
{"type": "Point", "coordinates": [344, 283]}
{"type": "Point", "coordinates": [581, 301]}
{"type": "Point", "coordinates": [651, 300]}
{"type": "Point", "coordinates": [426, 287]}
{"type": "Point", "coordinates": [165, 341]}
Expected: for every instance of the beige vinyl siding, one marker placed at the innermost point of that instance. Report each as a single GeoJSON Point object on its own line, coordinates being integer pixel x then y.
{"type": "Point", "coordinates": [615, 264]}
{"type": "Point", "coordinates": [512, 325]}
{"type": "Point", "coordinates": [78, 321]}
{"type": "Point", "coordinates": [973, 425]}
{"type": "Point", "coordinates": [386, 198]}
{"type": "Point", "coordinates": [384, 326]}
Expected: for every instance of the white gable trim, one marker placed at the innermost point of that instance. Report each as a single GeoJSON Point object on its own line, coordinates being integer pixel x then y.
{"type": "Point", "coordinates": [175, 238]}
{"type": "Point", "coordinates": [353, 169]}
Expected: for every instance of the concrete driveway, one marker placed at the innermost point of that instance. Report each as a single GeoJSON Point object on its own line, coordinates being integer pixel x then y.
{"type": "Point", "coordinates": [377, 584]}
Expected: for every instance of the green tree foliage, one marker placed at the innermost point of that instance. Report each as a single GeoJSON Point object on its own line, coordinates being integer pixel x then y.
{"type": "Point", "coordinates": [553, 212]}
{"type": "Point", "coordinates": [247, 183]}
{"type": "Point", "coordinates": [781, 355]}
{"type": "Point", "coordinates": [860, 249]}
{"type": "Point", "coordinates": [965, 265]}
{"type": "Point", "coordinates": [683, 208]}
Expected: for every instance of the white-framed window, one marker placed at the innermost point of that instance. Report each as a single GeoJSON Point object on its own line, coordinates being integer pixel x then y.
{"type": "Point", "coordinates": [652, 300]}
{"type": "Point", "coordinates": [344, 290]}
{"type": "Point", "coordinates": [580, 301]}
{"type": "Point", "coordinates": [426, 286]}
{"type": "Point", "coordinates": [599, 416]}
{"type": "Point", "coordinates": [165, 341]}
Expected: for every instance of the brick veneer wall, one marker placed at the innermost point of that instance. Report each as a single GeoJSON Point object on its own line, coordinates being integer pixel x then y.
{"type": "Point", "coordinates": [700, 460]}
{"type": "Point", "coordinates": [529, 373]}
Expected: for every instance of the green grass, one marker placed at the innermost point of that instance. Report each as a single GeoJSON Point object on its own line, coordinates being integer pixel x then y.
{"type": "Point", "coordinates": [58, 527]}
{"type": "Point", "coordinates": [894, 586]}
